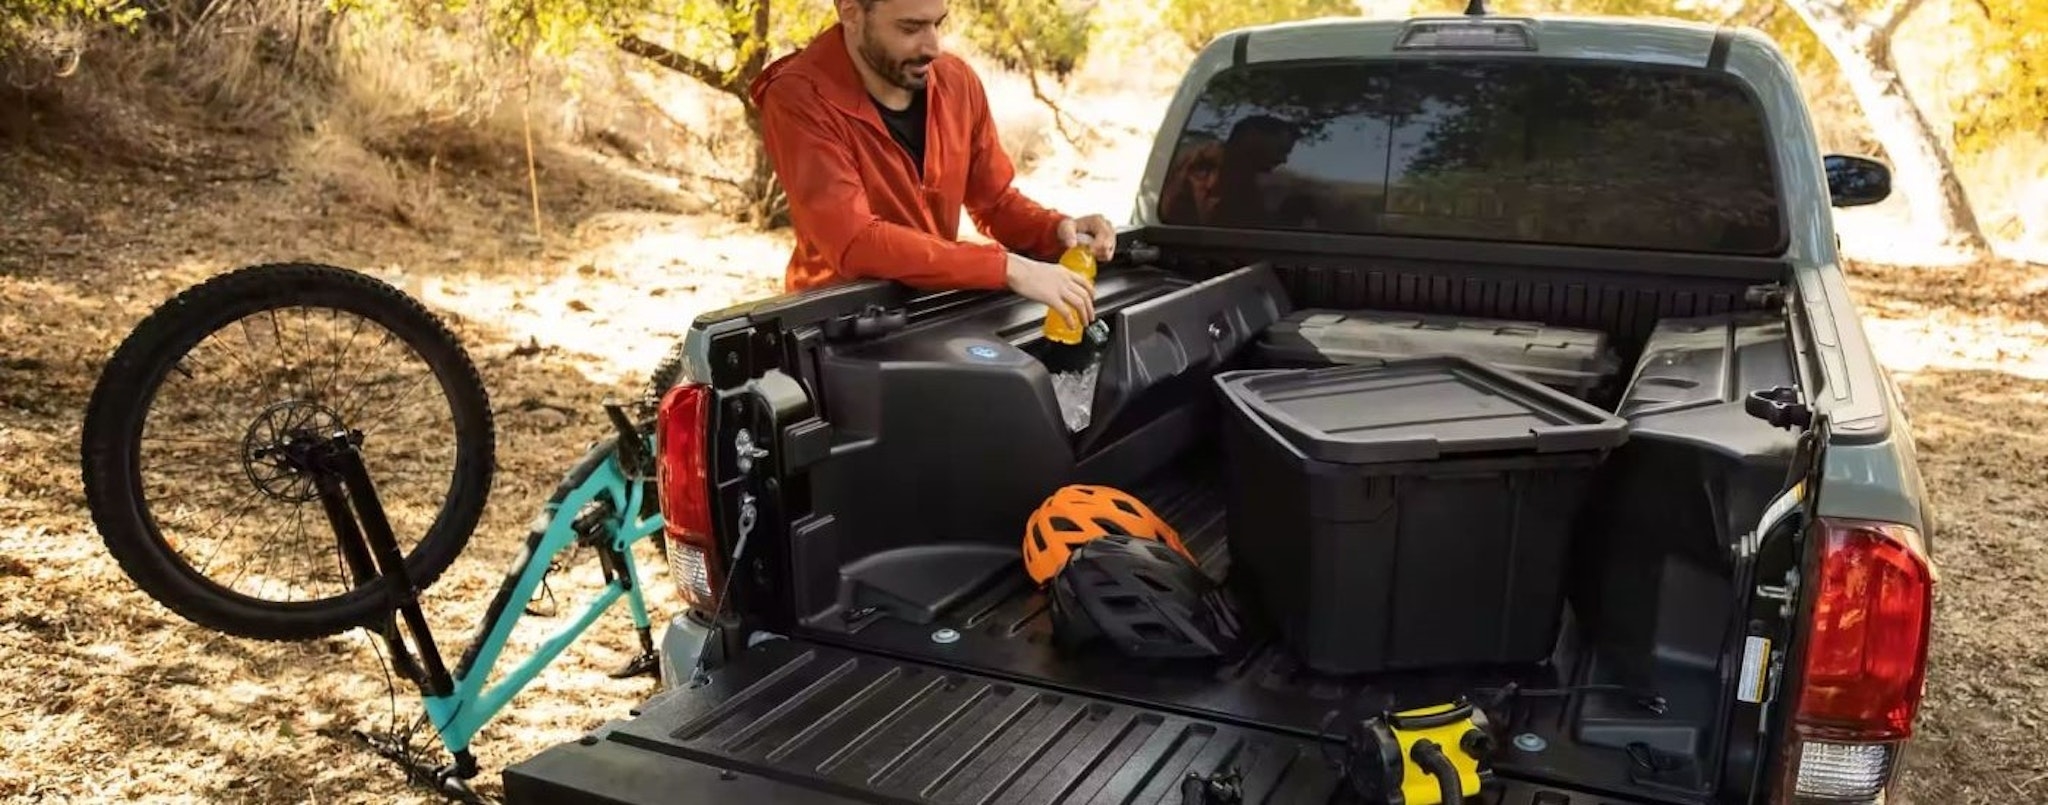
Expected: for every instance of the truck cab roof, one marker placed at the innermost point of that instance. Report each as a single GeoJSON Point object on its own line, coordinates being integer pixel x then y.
{"type": "Point", "coordinates": [1645, 39]}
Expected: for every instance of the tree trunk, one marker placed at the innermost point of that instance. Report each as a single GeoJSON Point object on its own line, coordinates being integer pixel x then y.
{"type": "Point", "coordinates": [763, 203]}
{"type": "Point", "coordinates": [767, 207]}
{"type": "Point", "coordinates": [1921, 168]}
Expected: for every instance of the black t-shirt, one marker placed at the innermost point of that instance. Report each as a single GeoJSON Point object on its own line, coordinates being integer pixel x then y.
{"type": "Point", "coordinates": [907, 127]}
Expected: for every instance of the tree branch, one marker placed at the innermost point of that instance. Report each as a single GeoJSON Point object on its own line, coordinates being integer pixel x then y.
{"type": "Point", "coordinates": [711, 76]}
{"type": "Point", "coordinates": [1895, 16]}
{"type": "Point", "coordinates": [1030, 59]}
{"type": "Point", "coordinates": [1834, 20]}
{"type": "Point", "coordinates": [1751, 14]}
{"type": "Point", "coordinates": [1765, 15]}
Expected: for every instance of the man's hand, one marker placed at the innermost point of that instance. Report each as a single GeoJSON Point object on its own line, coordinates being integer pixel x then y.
{"type": "Point", "coordinates": [1059, 289]}
{"type": "Point", "coordinates": [1096, 227]}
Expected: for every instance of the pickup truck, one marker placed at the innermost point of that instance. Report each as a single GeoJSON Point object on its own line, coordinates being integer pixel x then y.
{"type": "Point", "coordinates": [1744, 611]}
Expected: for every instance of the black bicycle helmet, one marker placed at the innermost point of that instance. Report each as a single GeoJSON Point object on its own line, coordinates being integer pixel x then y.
{"type": "Point", "coordinates": [1145, 599]}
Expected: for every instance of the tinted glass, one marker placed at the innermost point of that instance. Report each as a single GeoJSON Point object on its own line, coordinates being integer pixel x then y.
{"type": "Point", "coordinates": [1553, 153]}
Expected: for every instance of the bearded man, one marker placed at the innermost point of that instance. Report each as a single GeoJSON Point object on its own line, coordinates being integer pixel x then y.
{"type": "Point", "coordinates": [880, 138]}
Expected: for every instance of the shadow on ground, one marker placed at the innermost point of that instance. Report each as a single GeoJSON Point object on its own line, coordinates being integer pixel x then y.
{"type": "Point", "coordinates": [114, 696]}
{"type": "Point", "coordinates": [1983, 443]}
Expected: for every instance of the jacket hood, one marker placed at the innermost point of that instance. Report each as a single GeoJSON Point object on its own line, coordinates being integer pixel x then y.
{"type": "Point", "coordinates": [824, 63]}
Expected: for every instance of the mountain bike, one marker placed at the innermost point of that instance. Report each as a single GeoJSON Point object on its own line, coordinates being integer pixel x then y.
{"type": "Point", "coordinates": [329, 424]}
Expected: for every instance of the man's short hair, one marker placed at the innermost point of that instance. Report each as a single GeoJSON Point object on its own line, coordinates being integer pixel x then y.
{"type": "Point", "coordinates": [1264, 125]}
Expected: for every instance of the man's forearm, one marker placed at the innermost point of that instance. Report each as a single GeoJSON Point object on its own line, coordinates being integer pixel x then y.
{"type": "Point", "coordinates": [1021, 224]}
{"type": "Point", "coordinates": [883, 250]}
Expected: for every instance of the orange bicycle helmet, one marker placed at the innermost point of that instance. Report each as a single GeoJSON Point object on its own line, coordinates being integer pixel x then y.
{"type": "Point", "coordinates": [1078, 513]}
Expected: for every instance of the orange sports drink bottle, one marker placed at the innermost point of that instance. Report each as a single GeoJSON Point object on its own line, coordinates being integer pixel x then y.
{"type": "Point", "coordinates": [1080, 260]}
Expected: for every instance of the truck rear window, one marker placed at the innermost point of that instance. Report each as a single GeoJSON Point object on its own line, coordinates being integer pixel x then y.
{"type": "Point", "coordinates": [1583, 154]}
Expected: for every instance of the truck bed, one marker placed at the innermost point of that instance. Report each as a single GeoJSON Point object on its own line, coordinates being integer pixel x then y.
{"type": "Point", "coordinates": [792, 721]}
{"type": "Point", "coordinates": [1007, 630]}
{"type": "Point", "coordinates": [903, 547]}
{"type": "Point", "coordinates": [1004, 632]}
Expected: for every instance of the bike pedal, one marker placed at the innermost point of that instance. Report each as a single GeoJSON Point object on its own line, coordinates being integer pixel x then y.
{"type": "Point", "coordinates": [647, 664]}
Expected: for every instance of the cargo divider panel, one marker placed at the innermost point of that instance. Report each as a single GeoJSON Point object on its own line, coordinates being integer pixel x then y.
{"type": "Point", "coordinates": [1178, 337]}
{"type": "Point", "coordinates": [1696, 475]}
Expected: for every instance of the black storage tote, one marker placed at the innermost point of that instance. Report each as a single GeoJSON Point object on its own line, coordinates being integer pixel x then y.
{"type": "Point", "coordinates": [1407, 513]}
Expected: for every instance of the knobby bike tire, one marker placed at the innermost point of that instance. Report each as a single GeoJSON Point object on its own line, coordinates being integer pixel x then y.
{"type": "Point", "coordinates": [671, 371]}
{"type": "Point", "coordinates": [128, 385]}
{"type": "Point", "coordinates": [665, 375]}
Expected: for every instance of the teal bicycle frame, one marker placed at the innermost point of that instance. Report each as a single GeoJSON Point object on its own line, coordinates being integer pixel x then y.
{"type": "Point", "coordinates": [459, 715]}
{"type": "Point", "coordinates": [460, 704]}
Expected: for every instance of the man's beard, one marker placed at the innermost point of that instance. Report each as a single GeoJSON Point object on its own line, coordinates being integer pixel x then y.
{"type": "Point", "coordinates": [894, 72]}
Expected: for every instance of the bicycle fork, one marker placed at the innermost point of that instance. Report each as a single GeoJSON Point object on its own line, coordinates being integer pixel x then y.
{"type": "Point", "coordinates": [350, 501]}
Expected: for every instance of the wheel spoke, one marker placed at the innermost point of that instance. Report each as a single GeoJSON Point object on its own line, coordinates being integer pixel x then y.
{"type": "Point", "coordinates": [200, 444]}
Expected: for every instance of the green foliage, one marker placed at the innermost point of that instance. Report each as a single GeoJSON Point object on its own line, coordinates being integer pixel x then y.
{"type": "Point", "coordinates": [20, 19]}
{"type": "Point", "coordinates": [1043, 35]}
{"type": "Point", "coordinates": [116, 12]}
{"type": "Point", "coordinates": [720, 42]}
{"type": "Point", "coordinates": [1199, 21]}
{"type": "Point", "coordinates": [1769, 16]}
{"type": "Point", "coordinates": [735, 38]}
{"type": "Point", "coordinates": [2012, 35]}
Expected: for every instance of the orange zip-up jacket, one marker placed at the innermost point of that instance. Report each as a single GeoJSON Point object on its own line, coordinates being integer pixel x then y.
{"type": "Point", "coordinates": [856, 201]}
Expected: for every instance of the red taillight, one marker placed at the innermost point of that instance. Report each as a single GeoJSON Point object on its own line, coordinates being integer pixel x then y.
{"type": "Point", "coordinates": [1866, 652]}
{"type": "Point", "coordinates": [682, 433]}
{"type": "Point", "coordinates": [1865, 666]}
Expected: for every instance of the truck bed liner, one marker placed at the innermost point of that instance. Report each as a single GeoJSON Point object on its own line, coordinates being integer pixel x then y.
{"type": "Point", "coordinates": [1007, 631]}
{"type": "Point", "coordinates": [796, 722]}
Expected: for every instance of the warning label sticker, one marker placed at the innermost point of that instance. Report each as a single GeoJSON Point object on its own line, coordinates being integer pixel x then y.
{"type": "Point", "coordinates": [1756, 656]}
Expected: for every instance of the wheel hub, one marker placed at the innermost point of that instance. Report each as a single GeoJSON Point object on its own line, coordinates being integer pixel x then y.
{"type": "Point", "coordinates": [272, 450]}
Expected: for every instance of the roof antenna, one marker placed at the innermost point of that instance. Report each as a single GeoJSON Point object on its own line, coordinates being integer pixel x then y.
{"type": "Point", "coordinates": [1475, 8]}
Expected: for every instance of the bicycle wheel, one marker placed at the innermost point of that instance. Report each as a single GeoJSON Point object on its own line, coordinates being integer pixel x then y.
{"type": "Point", "coordinates": [665, 375]}
{"type": "Point", "coordinates": [177, 437]}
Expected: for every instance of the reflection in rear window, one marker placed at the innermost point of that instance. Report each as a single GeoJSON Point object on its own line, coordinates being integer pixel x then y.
{"type": "Point", "coordinates": [1581, 154]}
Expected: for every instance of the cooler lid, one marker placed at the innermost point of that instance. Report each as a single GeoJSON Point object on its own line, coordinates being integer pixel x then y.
{"type": "Point", "coordinates": [1407, 409]}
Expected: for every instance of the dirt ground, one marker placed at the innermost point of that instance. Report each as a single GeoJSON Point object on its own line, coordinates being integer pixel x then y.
{"type": "Point", "coordinates": [106, 696]}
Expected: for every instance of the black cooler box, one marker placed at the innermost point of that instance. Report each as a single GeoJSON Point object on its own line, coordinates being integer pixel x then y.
{"type": "Point", "coordinates": [1407, 513]}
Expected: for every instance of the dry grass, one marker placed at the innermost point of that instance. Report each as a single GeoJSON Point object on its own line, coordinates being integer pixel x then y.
{"type": "Point", "coordinates": [105, 694]}
{"type": "Point", "coordinates": [1972, 359]}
